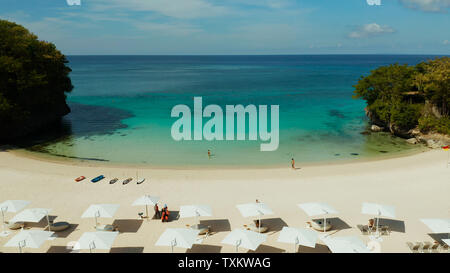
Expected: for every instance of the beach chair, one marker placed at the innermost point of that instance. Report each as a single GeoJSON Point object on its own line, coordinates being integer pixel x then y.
{"type": "Point", "coordinates": [203, 229]}
{"type": "Point", "coordinates": [261, 229]}
{"type": "Point", "coordinates": [364, 229]}
{"type": "Point", "coordinates": [426, 247]}
{"type": "Point", "coordinates": [435, 248]}
{"type": "Point", "coordinates": [15, 225]}
{"type": "Point", "coordinates": [385, 230]}
{"type": "Point", "coordinates": [106, 228]}
{"type": "Point", "coordinates": [317, 224]}
{"type": "Point", "coordinates": [414, 247]}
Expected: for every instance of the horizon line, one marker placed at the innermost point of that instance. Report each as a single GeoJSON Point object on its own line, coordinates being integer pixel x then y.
{"type": "Point", "coordinates": [306, 54]}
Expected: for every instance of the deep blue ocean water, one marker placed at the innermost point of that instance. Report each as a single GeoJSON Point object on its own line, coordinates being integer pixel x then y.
{"type": "Point", "coordinates": [121, 108]}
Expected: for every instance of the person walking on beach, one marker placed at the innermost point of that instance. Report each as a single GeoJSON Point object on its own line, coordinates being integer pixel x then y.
{"type": "Point", "coordinates": [293, 163]}
{"type": "Point", "coordinates": [157, 212]}
{"type": "Point", "coordinates": [165, 214]}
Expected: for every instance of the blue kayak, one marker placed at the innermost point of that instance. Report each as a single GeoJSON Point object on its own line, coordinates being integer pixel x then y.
{"type": "Point", "coordinates": [98, 178]}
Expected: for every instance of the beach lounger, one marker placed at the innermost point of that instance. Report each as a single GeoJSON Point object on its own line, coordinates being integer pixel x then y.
{"type": "Point", "coordinates": [59, 226]}
{"type": "Point", "coordinates": [15, 225]}
{"type": "Point", "coordinates": [204, 230]}
{"type": "Point", "coordinates": [385, 230]}
{"type": "Point", "coordinates": [364, 229]}
{"type": "Point", "coordinates": [317, 224]}
{"type": "Point", "coordinates": [252, 227]}
{"type": "Point", "coordinates": [414, 247]}
{"type": "Point", "coordinates": [106, 228]}
{"type": "Point", "coordinates": [435, 248]}
{"type": "Point", "coordinates": [426, 247]}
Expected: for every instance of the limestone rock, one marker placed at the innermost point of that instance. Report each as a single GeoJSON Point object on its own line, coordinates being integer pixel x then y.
{"type": "Point", "coordinates": [376, 128]}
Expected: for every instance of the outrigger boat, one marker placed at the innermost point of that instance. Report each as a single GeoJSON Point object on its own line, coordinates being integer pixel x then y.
{"type": "Point", "coordinates": [112, 181]}
{"type": "Point", "coordinates": [98, 178]}
{"type": "Point", "coordinates": [126, 181]}
{"type": "Point", "coordinates": [78, 179]}
{"type": "Point", "coordinates": [139, 181]}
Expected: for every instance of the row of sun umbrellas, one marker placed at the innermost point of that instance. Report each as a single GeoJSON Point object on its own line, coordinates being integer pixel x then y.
{"type": "Point", "coordinates": [185, 237]}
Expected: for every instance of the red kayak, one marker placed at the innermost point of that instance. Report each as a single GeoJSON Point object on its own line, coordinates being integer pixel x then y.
{"type": "Point", "coordinates": [80, 178]}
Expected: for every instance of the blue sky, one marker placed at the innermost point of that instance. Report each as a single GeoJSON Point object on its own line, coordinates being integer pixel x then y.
{"type": "Point", "coordinates": [237, 26]}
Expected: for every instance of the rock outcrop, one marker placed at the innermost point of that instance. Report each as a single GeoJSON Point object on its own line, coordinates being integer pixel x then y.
{"type": "Point", "coordinates": [413, 136]}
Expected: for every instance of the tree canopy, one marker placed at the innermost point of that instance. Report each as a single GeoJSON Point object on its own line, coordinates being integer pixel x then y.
{"type": "Point", "coordinates": [34, 78]}
{"type": "Point", "coordinates": [405, 96]}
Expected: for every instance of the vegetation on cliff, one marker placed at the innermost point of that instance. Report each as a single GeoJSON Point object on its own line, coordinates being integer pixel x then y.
{"type": "Point", "coordinates": [401, 97]}
{"type": "Point", "coordinates": [33, 82]}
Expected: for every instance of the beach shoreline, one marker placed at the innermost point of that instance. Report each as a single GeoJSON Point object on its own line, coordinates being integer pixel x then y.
{"type": "Point", "coordinates": [47, 157]}
{"type": "Point", "coordinates": [408, 183]}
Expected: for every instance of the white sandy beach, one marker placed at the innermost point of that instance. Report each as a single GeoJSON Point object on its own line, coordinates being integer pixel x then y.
{"type": "Point", "coordinates": [417, 185]}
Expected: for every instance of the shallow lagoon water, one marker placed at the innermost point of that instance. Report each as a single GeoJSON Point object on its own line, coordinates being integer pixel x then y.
{"type": "Point", "coordinates": [121, 108]}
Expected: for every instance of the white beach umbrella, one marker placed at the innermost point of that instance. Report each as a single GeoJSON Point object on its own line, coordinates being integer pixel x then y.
{"type": "Point", "coordinates": [11, 206]}
{"type": "Point", "coordinates": [345, 244]}
{"type": "Point", "coordinates": [254, 209]}
{"type": "Point", "coordinates": [97, 240]}
{"type": "Point", "coordinates": [178, 237]}
{"type": "Point", "coordinates": [378, 210]}
{"type": "Point", "coordinates": [244, 238]}
{"type": "Point", "coordinates": [32, 215]}
{"type": "Point", "coordinates": [298, 236]}
{"type": "Point", "coordinates": [188, 211]}
{"type": "Point", "coordinates": [317, 209]}
{"type": "Point", "coordinates": [195, 211]}
{"type": "Point", "coordinates": [100, 211]}
{"type": "Point", "coordinates": [146, 201]}
{"type": "Point", "coordinates": [437, 225]}
{"type": "Point", "coordinates": [29, 238]}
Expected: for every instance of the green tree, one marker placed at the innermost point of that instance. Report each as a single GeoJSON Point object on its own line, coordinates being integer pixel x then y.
{"type": "Point", "coordinates": [33, 80]}
{"type": "Point", "coordinates": [384, 91]}
{"type": "Point", "coordinates": [433, 81]}
{"type": "Point", "coordinates": [402, 97]}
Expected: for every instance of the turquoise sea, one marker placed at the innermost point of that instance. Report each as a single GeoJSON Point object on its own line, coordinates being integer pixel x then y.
{"type": "Point", "coordinates": [121, 108]}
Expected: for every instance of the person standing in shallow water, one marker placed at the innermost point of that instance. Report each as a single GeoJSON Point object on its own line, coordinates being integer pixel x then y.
{"type": "Point", "coordinates": [209, 153]}
{"type": "Point", "coordinates": [293, 163]}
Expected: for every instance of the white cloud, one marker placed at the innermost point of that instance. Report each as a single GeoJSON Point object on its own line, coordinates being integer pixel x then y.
{"type": "Point", "coordinates": [373, 2]}
{"type": "Point", "coordinates": [370, 30]}
{"type": "Point", "coordinates": [73, 2]}
{"type": "Point", "coordinates": [181, 9]}
{"type": "Point", "coordinates": [427, 5]}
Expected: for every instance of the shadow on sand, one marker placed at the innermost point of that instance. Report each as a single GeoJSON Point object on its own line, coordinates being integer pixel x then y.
{"type": "Point", "coordinates": [217, 225]}
{"type": "Point", "coordinates": [59, 249]}
{"type": "Point", "coordinates": [131, 249]}
{"type": "Point", "coordinates": [128, 225]}
{"type": "Point", "coordinates": [274, 224]}
{"type": "Point", "coordinates": [267, 249]}
{"type": "Point", "coordinates": [318, 249]}
{"type": "Point", "coordinates": [204, 249]}
{"type": "Point", "coordinates": [394, 225]}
